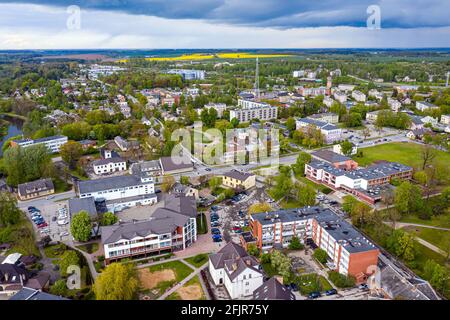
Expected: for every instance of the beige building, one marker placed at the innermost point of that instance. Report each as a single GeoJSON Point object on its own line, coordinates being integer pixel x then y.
{"type": "Point", "coordinates": [237, 179]}
{"type": "Point", "coordinates": [35, 189]}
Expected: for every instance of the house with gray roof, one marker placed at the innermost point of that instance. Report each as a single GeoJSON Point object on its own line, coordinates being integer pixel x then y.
{"type": "Point", "coordinates": [331, 132]}
{"type": "Point", "coordinates": [33, 294]}
{"type": "Point", "coordinates": [83, 204]}
{"type": "Point", "coordinates": [238, 179]}
{"type": "Point", "coordinates": [233, 268]}
{"type": "Point", "coordinates": [272, 289]}
{"type": "Point", "coordinates": [35, 189]}
{"type": "Point", "coordinates": [170, 228]}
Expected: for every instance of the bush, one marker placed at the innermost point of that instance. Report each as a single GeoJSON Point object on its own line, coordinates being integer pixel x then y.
{"type": "Point", "coordinates": [295, 244]}
{"type": "Point", "coordinates": [340, 280]}
{"type": "Point", "coordinates": [320, 255]}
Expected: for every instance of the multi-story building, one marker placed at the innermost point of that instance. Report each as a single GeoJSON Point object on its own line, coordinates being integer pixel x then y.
{"type": "Point", "coordinates": [359, 96]}
{"type": "Point", "coordinates": [346, 87]}
{"type": "Point", "coordinates": [365, 183]}
{"type": "Point", "coordinates": [328, 101]}
{"type": "Point", "coordinates": [110, 162]}
{"type": "Point", "coordinates": [219, 107]}
{"type": "Point", "coordinates": [189, 74]}
{"type": "Point", "coordinates": [53, 143]}
{"type": "Point", "coordinates": [250, 110]}
{"type": "Point", "coordinates": [423, 106]}
{"type": "Point", "coordinates": [335, 159]}
{"type": "Point", "coordinates": [326, 117]}
{"type": "Point", "coordinates": [237, 271]}
{"type": "Point", "coordinates": [171, 228]}
{"type": "Point", "coordinates": [148, 169]}
{"type": "Point", "coordinates": [119, 192]}
{"type": "Point", "coordinates": [372, 116]}
{"type": "Point", "coordinates": [331, 132]}
{"type": "Point", "coordinates": [238, 180]}
{"type": "Point", "coordinates": [35, 189]}
{"type": "Point", "coordinates": [348, 251]}
{"type": "Point", "coordinates": [340, 96]}
{"type": "Point", "coordinates": [312, 92]}
{"type": "Point", "coordinates": [394, 104]}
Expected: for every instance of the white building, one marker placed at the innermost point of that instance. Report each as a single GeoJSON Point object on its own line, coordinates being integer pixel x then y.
{"type": "Point", "coordinates": [340, 96]}
{"type": "Point", "coordinates": [328, 101]}
{"type": "Point", "coordinates": [188, 74]}
{"type": "Point", "coordinates": [394, 104]}
{"type": "Point", "coordinates": [298, 73]}
{"type": "Point", "coordinates": [423, 106]}
{"type": "Point", "coordinates": [109, 165]}
{"type": "Point", "coordinates": [219, 107]}
{"type": "Point", "coordinates": [359, 96]}
{"type": "Point", "coordinates": [52, 143]}
{"type": "Point", "coordinates": [346, 87]}
{"type": "Point", "coordinates": [326, 117]}
{"type": "Point", "coordinates": [119, 192]}
{"type": "Point", "coordinates": [233, 268]}
{"type": "Point", "coordinates": [445, 119]}
{"type": "Point", "coordinates": [337, 148]}
{"type": "Point", "coordinates": [331, 132]}
{"type": "Point", "coordinates": [253, 110]}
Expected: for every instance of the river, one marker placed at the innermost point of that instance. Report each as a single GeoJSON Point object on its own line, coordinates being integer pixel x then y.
{"type": "Point", "coordinates": [14, 129]}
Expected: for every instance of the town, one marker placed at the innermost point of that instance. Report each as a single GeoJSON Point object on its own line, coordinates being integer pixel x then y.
{"type": "Point", "coordinates": [345, 197]}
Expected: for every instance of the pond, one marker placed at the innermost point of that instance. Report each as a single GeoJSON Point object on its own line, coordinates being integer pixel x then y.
{"type": "Point", "coordinates": [14, 128]}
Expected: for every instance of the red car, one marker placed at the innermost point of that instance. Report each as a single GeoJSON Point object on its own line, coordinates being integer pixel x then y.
{"type": "Point", "coordinates": [42, 225]}
{"type": "Point", "coordinates": [236, 229]}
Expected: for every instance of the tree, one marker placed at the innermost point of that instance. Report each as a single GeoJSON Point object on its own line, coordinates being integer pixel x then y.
{"type": "Point", "coordinates": [321, 255]}
{"type": "Point", "coordinates": [436, 274]}
{"type": "Point", "coordinates": [340, 280]}
{"type": "Point", "coordinates": [346, 148]}
{"type": "Point", "coordinates": [184, 180]}
{"type": "Point", "coordinates": [68, 258]}
{"type": "Point", "coordinates": [290, 124]}
{"type": "Point", "coordinates": [108, 219]}
{"type": "Point", "coordinates": [9, 212]}
{"type": "Point", "coordinates": [81, 226]}
{"type": "Point", "coordinates": [167, 183]}
{"type": "Point", "coordinates": [283, 183]}
{"type": "Point", "coordinates": [360, 214]}
{"type": "Point", "coordinates": [117, 282]}
{"type": "Point", "coordinates": [302, 159]}
{"type": "Point", "coordinates": [401, 243]}
{"type": "Point", "coordinates": [348, 203]}
{"type": "Point", "coordinates": [295, 244]}
{"type": "Point", "coordinates": [428, 155]}
{"type": "Point", "coordinates": [281, 263]}
{"type": "Point", "coordinates": [214, 183]}
{"type": "Point", "coordinates": [71, 152]}
{"type": "Point", "coordinates": [259, 207]}
{"type": "Point", "coordinates": [408, 198]}
{"type": "Point", "coordinates": [253, 250]}
{"type": "Point", "coordinates": [59, 288]}
{"type": "Point", "coordinates": [306, 195]}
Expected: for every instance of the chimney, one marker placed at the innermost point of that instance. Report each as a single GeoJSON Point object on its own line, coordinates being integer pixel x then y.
{"type": "Point", "coordinates": [6, 277]}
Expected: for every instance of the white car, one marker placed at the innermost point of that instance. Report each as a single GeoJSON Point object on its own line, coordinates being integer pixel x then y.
{"type": "Point", "coordinates": [64, 233]}
{"type": "Point", "coordinates": [62, 222]}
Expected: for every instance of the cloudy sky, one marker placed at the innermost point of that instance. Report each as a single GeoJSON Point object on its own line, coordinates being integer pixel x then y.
{"type": "Point", "coordinates": [152, 24]}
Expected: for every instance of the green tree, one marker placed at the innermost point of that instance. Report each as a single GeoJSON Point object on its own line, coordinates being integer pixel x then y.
{"type": "Point", "coordinates": [259, 207]}
{"type": "Point", "coordinates": [290, 124]}
{"type": "Point", "coordinates": [348, 203]}
{"type": "Point", "coordinates": [117, 282]}
{"type": "Point", "coordinates": [306, 196]}
{"type": "Point", "coordinates": [81, 226]}
{"type": "Point", "coordinates": [214, 183]}
{"type": "Point", "coordinates": [401, 244]}
{"type": "Point", "coordinates": [346, 147]}
{"type": "Point", "coordinates": [59, 288]}
{"type": "Point", "coordinates": [9, 212]}
{"type": "Point", "coordinates": [408, 198]}
{"type": "Point", "coordinates": [302, 159]}
{"type": "Point", "coordinates": [108, 219]}
{"type": "Point", "coordinates": [321, 255]}
{"type": "Point", "coordinates": [184, 180]}
{"type": "Point", "coordinates": [71, 152]}
{"type": "Point", "coordinates": [68, 258]}
{"type": "Point", "coordinates": [437, 275]}
{"type": "Point", "coordinates": [253, 250]}
{"type": "Point", "coordinates": [167, 183]}
{"type": "Point", "coordinates": [295, 244]}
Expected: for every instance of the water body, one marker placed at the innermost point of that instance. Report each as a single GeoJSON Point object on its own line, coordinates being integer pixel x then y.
{"type": "Point", "coordinates": [14, 129]}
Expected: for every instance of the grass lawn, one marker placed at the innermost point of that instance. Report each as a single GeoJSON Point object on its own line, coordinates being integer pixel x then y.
{"type": "Point", "coordinates": [432, 236]}
{"type": "Point", "coordinates": [55, 251]}
{"type": "Point", "coordinates": [191, 290]}
{"type": "Point", "coordinates": [181, 270]}
{"type": "Point", "coordinates": [198, 260]}
{"type": "Point", "coordinates": [308, 283]}
{"type": "Point", "coordinates": [289, 204]}
{"type": "Point", "coordinates": [442, 221]}
{"type": "Point", "coordinates": [316, 186]}
{"type": "Point", "coordinates": [89, 248]}
{"type": "Point", "coordinates": [405, 153]}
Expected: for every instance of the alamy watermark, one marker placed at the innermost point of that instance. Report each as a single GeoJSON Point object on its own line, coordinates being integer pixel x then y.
{"type": "Point", "coordinates": [374, 19]}
{"type": "Point", "coordinates": [73, 21]}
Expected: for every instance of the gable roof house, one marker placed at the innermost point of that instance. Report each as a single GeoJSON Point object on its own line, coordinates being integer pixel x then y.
{"type": "Point", "coordinates": [35, 189]}
{"type": "Point", "coordinates": [272, 289]}
{"type": "Point", "coordinates": [233, 268]}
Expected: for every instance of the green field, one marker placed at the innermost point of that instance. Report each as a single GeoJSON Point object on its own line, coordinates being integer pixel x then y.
{"type": "Point", "coordinates": [405, 153]}
{"type": "Point", "coordinates": [442, 221]}
{"type": "Point", "coordinates": [433, 236]}
{"type": "Point", "coordinates": [198, 260]}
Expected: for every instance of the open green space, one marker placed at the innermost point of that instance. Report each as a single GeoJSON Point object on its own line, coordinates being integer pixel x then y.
{"type": "Point", "coordinates": [405, 153]}
{"type": "Point", "coordinates": [308, 283]}
{"type": "Point", "coordinates": [198, 260]}
{"type": "Point", "coordinates": [433, 236]}
{"type": "Point", "coordinates": [181, 270]}
{"type": "Point", "coordinates": [442, 221]}
{"type": "Point", "coordinates": [21, 237]}
{"type": "Point", "coordinates": [89, 247]}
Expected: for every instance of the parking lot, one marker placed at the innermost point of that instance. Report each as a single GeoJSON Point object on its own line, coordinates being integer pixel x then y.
{"type": "Point", "coordinates": [58, 226]}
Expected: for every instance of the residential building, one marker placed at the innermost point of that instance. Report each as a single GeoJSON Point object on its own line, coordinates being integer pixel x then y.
{"type": "Point", "coordinates": [175, 165]}
{"type": "Point", "coordinates": [125, 145]}
{"type": "Point", "coordinates": [394, 104]}
{"type": "Point", "coordinates": [119, 192]}
{"type": "Point", "coordinates": [371, 117]}
{"type": "Point", "coordinates": [348, 251]}
{"type": "Point", "coordinates": [338, 161]}
{"type": "Point", "coordinates": [236, 270]}
{"type": "Point", "coordinates": [53, 143]}
{"type": "Point", "coordinates": [184, 190]}
{"type": "Point", "coordinates": [423, 106]}
{"type": "Point", "coordinates": [445, 119]}
{"type": "Point", "coordinates": [338, 149]}
{"type": "Point", "coordinates": [326, 117]}
{"type": "Point", "coordinates": [170, 228]}
{"type": "Point", "coordinates": [35, 189]}
{"type": "Point", "coordinates": [238, 180]}
{"type": "Point", "coordinates": [298, 73]}
{"type": "Point", "coordinates": [188, 74]}
{"type": "Point", "coordinates": [110, 162]}
{"type": "Point", "coordinates": [148, 169]}
{"type": "Point", "coordinates": [219, 107]}
{"type": "Point", "coordinates": [36, 295]}
{"type": "Point", "coordinates": [272, 289]}
{"type": "Point", "coordinates": [346, 87]}
{"type": "Point", "coordinates": [249, 110]}
{"type": "Point", "coordinates": [365, 183]}
{"type": "Point", "coordinates": [340, 96]}
{"type": "Point", "coordinates": [359, 96]}
{"type": "Point", "coordinates": [331, 132]}
{"type": "Point", "coordinates": [312, 92]}
{"type": "Point", "coordinates": [328, 101]}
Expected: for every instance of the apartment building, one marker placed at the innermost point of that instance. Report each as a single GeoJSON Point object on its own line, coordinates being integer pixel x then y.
{"type": "Point", "coordinates": [423, 106]}
{"type": "Point", "coordinates": [312, 92]}
{"type": "Point", "coordinates": [328, 101]}
{"type": "Point", "coordinates": [331, 132]}
{"type": "Point", "coordinates": [340, 96]}
{"type": "Point", "coordinates": [170, 228]}
{"type": "Point", "coordinates": [148, 170]}
{"type": "Point", "coordinates": [394, 104]}
{"type": "Point", "coordinates": [188, 74]}
{"type": "Point", "coordinates": [236, 270]}
{"type": "Point", "coordinates": [326, 117]}
{"type": "Point", "coordinates": [250, 110]}
{"type": "Point", "coordinates": [346, 87]}
{"type": "Point", "coordinates": [445, 119]}
{"type": "Point", "coordinates": [219, 107]}
{"type": "Point", "coordinates": [349, 252]}
{"type": "Point", "coordinates": [372, 116]}
{"type": "Point", "coordinates": [365, 183]}
{"type": "Point", "coordinates": [238, 180]}
{"type": "Point", "coordinates": [335, 159]}
{"type": "Point", "coordinates": [53, 143]}
{"type": "Point", "coordinates": [359, 96]}
{"type": "Point", "coordinates": [119, 192]}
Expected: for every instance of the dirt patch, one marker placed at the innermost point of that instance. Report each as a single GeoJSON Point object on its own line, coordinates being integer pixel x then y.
{"type": "Point", "coordinates": [192, 292]}
{"type": "Point", "coordinates": [150, 280]}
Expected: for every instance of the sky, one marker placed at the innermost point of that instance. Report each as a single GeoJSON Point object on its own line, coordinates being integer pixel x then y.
{"type": "Point", "coordinates": [161, 24]}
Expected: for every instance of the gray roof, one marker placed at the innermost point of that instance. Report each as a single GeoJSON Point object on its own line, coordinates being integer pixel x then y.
{"type": "Point", "coordinates": [35, 186]}
{"type": "Point", "coordinates": [329, 156]}
{"type": "Point", "coordinates": [343, 232]}
{"type": "Point", "coordinates": [185, 205]}
{"type": "Point", "coordinates": [32, 294]}
{"type": "Point", "coordinates": [176, 163]}
{"type": "Point", "coordinates": [234, 267]}
{"type": "Point", "coordinates": [320, 124]}
{"type": "Point", "coordinates": [272, 289]}
{"type": "Point", "coordinates": [238, 175]}
{"type": "Point", "coordinates": [83, 204]}
{"type": "Point", "coordinates": [101, 162]}
{"type": "Point", "coordinates": [230, 251]}
{"type": "Point", "coordinates": [108, 183]}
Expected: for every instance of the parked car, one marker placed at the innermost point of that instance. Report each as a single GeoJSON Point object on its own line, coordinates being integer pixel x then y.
{"type": "Point", "coordinates": [214, 208]}
{"type": "Point", "coordinates": [217, 239]}
{"type": "Point", "coordinates": [42, 225]}
{"type": "Point", "coordinates": [64, 233]}
{"type": "Point", "coordinates": [293, 287]}
{"type": "Point", "coordinates": [331, 292]}
{"type": "Point", "coordinates": [62, 222]}
{"type": "Point", "coordinates": [314, 295]}
{"type": "Point", "coordinates": [215, 223]}
{"type": "Point", "coordinates": [54, 218]}
{"type": "Point", "coordinates": [38, 222]}
{"type": "Point", "coordinates": [236, 229]}
{"type": "Point", "coordinates": [216, 236]}
{"type": "Point", "coordinates": [215, 231]}
{"type": "Point", "coordinates": [31, 208]}
{"type": "Point", "coordinates": [363, 286]}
